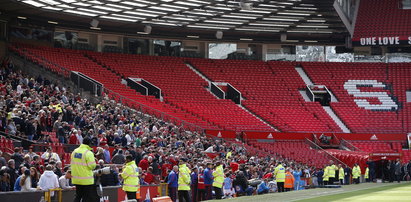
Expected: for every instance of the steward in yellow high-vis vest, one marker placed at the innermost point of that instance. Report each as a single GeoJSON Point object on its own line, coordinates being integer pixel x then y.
{"type": "Point", "coordinates": [341, 174]}
{"type": "Point", "coordinates": [326, 175]}
{"type": "Point", "coordinates": [82, 166]}
{"type": "Point", "coordinates": [279, 174]}
{"type": "Point", "coordinates": [130, 177]}
{"type": "Point", "coordinates": [331, 172]}
{"type": "Point", "coordinates": [218, 175]}
{"type": "Point", "coordinates": [356, 173]}
{"type": "Point", "coordinates": [366, 174]}
{"type": "Point", "coordinates": [184, 180]}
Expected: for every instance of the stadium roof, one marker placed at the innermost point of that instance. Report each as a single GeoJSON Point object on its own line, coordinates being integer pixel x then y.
{"type": "Point", "coordinates": [243, 18]}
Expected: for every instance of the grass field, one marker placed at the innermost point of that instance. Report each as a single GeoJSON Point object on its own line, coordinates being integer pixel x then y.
{"type": "Point", "coordinates": [362, 192]}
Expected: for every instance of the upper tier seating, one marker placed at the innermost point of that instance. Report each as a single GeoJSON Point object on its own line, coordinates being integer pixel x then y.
{"type": "Point", "coordinates": [182, 88]}
{"type": "Point", "coordinates": [271, 91]}
{"type": "Point", "coordinates": [382, 18]}
{"type": "Point", "coordinates": [55, 58]}
{"type": "Point", "coordinates": [396, 78]}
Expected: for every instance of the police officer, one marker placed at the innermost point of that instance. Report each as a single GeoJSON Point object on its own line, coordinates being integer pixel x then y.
{"type": "Point", "coordinates": [184, 180]}
{"type": "Point", "coordinates": [279, 174]}
{"type": "Point", "coordinates": [82, 166]}
{"type": "Point", "coordinates": [218, 180]}
{"type": "Point", "coordinates": [130, 176]}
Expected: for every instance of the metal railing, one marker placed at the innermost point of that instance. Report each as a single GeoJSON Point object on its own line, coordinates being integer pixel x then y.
{"type": "Point", "coordinates": [315, 146]}
{"type": "Point", "coordinates": [350, 146]}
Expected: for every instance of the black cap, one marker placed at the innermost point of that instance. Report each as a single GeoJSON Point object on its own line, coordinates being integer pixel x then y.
{"type": "Point", "coordinates": [87, 141]}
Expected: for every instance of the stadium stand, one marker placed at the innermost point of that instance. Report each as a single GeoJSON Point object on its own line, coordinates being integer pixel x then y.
{"type": "Point", "coordinates": [56, 58]}
{"type": "Point", "coordinates": [270, 91]}
{"type": "Point", "coordinates": [383, 18]}
{"type": "Point", "coordinates": [188, 99]}
{"type": "Point", "coordinates": [181, 87]}
{"type": "Point", "coordinates": [294, 149]}
{"type": "Point", "coordinates": [358, 119]}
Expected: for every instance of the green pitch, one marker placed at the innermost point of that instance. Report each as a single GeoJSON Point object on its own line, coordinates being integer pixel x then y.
{"type": "Point", "coordinates": [395, 192]}
{"type": "Point", "coordinates": [362, 192]}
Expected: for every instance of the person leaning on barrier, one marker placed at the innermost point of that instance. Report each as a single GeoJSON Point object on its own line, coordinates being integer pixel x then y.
{"type": "Point", "coordinates": [130, 176]}
{"type": "Point", "coordinates": [82, 166]}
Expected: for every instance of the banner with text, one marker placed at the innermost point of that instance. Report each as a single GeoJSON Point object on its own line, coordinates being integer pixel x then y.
{"type": "Point", "coordinates": [382, 41]}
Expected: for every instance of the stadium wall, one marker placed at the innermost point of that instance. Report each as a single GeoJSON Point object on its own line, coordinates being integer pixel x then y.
{"type": "Point", "coordinates": [301, 136]}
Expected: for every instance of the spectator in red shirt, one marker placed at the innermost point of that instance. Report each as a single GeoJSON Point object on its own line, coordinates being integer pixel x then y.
{"type": "Point", "coordinates": [103, 140]}
{"type": "Point", "coordinates": [144, 164]}
{"type": "Point", "coordinates": [234, 166]}
{"type": "Point", "coordinates": [165, 168]}
{"type": "Point", "coordinates": [149, 177]}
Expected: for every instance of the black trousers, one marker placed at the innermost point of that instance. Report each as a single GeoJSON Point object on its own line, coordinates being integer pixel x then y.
{"type": "Point", "coordinates": [201, 195]}
{"type": "Point", "coordinates": [183, 196]}
{"type": "Point", "coordinates": [208, 190]}
{"type": "Point", "coordinates": [218, 192]}
{"type": "Point", "coordinates": [331, 181]}
{"type": "Point", "coordinates": [194, 193]}
{"type": "Point", "coordinates": [131, 195]}
{"type": "Point", "coordinates": [280, 186]}
{"type": "Point", "coordinates": [172, 192]}
{"type": "Point", "coordinates": [86, 193]}
{"type": "Point", "coordinates": [398, 178]}
{"type": "Point", "coordinates": [287, 189]}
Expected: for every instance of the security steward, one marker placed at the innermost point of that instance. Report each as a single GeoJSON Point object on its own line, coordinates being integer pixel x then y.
{"type": "Point", "coordinates": [331, 173]}
{"type": "Point", "coordinates": [341, 174]}
{"type": "Point", "coordinates": [218, 180]}
{"type": "Point", "coordinates": [326, 175]}
{"type": "Point", "coordinates": [130, 177]}
{"type": "Point", "coordinates": [279, 173]}
{"type": "Point", "coordinates": [184, 180]}
{"type": "Point", "coordinates": [356, 173]}
{"type": "Point", "coordinates": [82, 166]}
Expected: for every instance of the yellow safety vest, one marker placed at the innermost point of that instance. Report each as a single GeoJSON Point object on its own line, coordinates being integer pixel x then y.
{"type": "Point", "coordinates": [82, 165]}
{"type": "Point", "coordinates": [184, 178]}
{"type": "Point", "coordinates": [326, 175]}
{"type": "Point", "coordinates": [229, 154]}
{"type": "Point", "coordinates": [130, 176]}
{"type": "Point", "coordinates": [279, 173]}
{"type": "Point", "coordinates": [366, 173]}
{"type": "Point", "coordinates": [331, 171]}
{"type": "Point", "coordinates": [218, 177]}
{"type": "Point", "coordinates": [356, 172]}
{"type": "Point", "coordinates": [341, 174]}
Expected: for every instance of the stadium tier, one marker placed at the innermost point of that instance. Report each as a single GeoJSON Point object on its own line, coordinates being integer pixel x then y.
{"type": "Point", "coordinates": [382, 18]}
{"type": "Point", "coordinates": [394, 80]}
{"type": "Point", "coordinates": [182, 88]}
{"type": "Point", "coordinates": [270, 90]}
{"type": "Point", "coordinates": [297, 150]}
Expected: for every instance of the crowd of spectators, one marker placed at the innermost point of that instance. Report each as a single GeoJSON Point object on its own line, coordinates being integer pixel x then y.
{"type": "Point", "coordinates": [31, 106]}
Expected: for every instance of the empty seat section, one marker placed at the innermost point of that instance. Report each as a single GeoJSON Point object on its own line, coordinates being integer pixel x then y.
{"type": "Point", "coordinates": [183, 88]}
{"type": "Point", "coordinates": [270, 91]}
